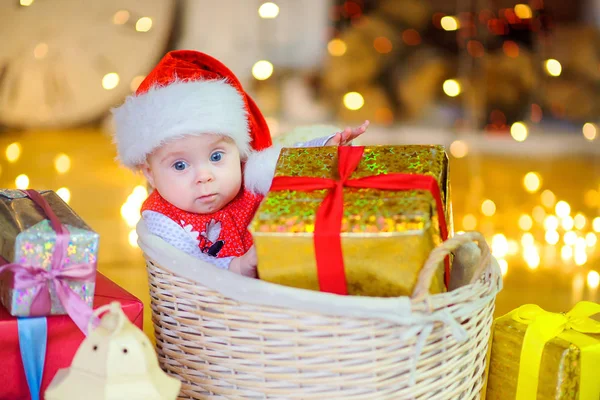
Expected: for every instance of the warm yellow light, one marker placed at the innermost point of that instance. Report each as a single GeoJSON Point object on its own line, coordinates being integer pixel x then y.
{"type": "Point", "coordinates": [532, 257]}
{"type": "Point", "coordinates": [449, 23]}
{"type": "Point", "coordinates": [523, 11]}
{"type": "Point", "coordinates": [566, 252]}
{"type": "Point", "coordinates": [548, 198]}
{"type": "Point", "coordinates": [538, 214]}
{"type": "Point", "coordinates": [64, 194]}
{"type": "Point", "coordinates": [469, 222]}
{"type": "Point", "coordinates": [570, 238]}
{"type": "Point", "coordinates": [140, 193]}
{"type": "Point", "coordinates": [580, 244]}
{"type": "Point", "coordinates": [13, 152]}
{"type": "Point", "coordinates": [518, 131]}
{"type": "Point", "coordinates": [130, 213]}
{"type": "Point", "coordinates": [503, 266]}
{"type": "Point", "coordinates": [22, 182]}
{"type": "Point", "coordinates": [110, 81]}
{"type": "Point", "coordinates": [488, 208]}
{"type": "Point", "coordinates": [525, 222]}
{"type": "Point", "coordinates": [121, 17]}
{"type": "Point", "coordinates": [499, 245]}
{"type": "Point", "coordinates": [451, 87]}
{"type": "Point", "coordinates": [527, 240]}
{"type": "Point", "coordinates": [26, 3]}
{"type": "Point", "coordinates": [593, 279]}
{"type": "Point", "coordinates": [552, 237]}
{"type": "Point", "coordinates": [567, 223]}
{"type": "Point", "coordinates": [513, 247]}
{"type": "Point", "coordinates": [562, 209]}
{"type": "Point", "coordinates": [591, 239]}
{"type": "Point", "coordinates": [133, 238]}
{"type": "Point", "coordinates": [590, 131]}
{"type": "Point", "coordinates": [262, 70]}
{"type": "Point", "coordinates": [336, 47]}
{"type": "Point", "coordinates": [551, 223]}
{"type": "Point", "coordinates": [532, 182]}
{"type": "Point", "coordinates": [596, 224]}
{"type": "Point", "coordinates": [459, 149]}
{"type": "Point", "coordinates": [268, 10]}
{"type": "Point", "coordinates": [62, 163]}
{"type": "Point", "coordinates": [143, 24]}
{"type": "Point", "coordinates": [353, 100]}
{"type": "Point", "coordinates": [40, 51]}
{"type": "Point", "coordinates": [580, 221]}
{"type": "Point", "coordinates": [553, 67]}
{"type": "Point", "coordinates": [580, 257]}
{"type": "Point", "coordinates": [136, 82]}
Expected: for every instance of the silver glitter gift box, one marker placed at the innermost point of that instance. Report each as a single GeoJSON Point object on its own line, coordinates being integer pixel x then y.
{"type": "Point", "coordinates": [27, 238]}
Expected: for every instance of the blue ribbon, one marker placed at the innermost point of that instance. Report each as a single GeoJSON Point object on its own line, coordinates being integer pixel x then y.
{"type": "Point", "coordinates": [33, 335]}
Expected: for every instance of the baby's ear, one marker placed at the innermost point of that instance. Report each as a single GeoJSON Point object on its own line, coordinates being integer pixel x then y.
{"type": "Point", "coordinates": [147, 171]}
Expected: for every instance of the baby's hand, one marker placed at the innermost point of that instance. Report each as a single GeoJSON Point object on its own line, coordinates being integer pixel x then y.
{"type": "Point", "coordinates": [345, 137]}
{"type": "Point", "coordinates": [246, 264]}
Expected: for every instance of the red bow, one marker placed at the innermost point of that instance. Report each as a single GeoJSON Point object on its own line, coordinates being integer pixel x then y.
{"type": "Point", "coordinates": [327, 240]}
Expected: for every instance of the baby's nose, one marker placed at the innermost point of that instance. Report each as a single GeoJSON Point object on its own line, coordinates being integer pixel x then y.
{"type": "Point", "coordinates": [204, 175]}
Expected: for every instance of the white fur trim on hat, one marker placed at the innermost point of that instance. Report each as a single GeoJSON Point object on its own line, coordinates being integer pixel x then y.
{"type": "Point", "coordinates": [260, 168]}
{"type": "Point", "coordinates": [146, 121]}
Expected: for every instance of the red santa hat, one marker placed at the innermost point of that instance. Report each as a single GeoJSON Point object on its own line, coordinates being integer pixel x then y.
{"type": "Point", "coordinates": [188, 93]}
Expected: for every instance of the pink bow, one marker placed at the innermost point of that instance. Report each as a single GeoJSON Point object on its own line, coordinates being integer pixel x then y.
{"type": "Point", "coordinates": [28, 276]}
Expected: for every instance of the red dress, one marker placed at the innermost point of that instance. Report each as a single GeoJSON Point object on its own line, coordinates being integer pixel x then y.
{"type": "Point", "coordinates": [220, 234]}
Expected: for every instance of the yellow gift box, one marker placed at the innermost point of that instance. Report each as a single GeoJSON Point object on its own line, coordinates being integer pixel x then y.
{"type": "Point", "coordinates": [386, 235]}
{"type": "Point", "coordinates": [536, 354]}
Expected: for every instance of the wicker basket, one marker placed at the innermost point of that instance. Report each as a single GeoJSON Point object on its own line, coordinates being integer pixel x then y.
{"type": "Point", "coordinates": [228, 337]}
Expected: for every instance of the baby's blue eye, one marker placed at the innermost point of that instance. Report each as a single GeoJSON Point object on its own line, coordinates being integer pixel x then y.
{"type": "Point", "coordinates": [216, 156]}
{"type": "Point", "coordinates": [180, 165]}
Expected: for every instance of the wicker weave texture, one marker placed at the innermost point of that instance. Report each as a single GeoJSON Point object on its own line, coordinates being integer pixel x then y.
{"type": "Point", "coordinates": [222, 349]}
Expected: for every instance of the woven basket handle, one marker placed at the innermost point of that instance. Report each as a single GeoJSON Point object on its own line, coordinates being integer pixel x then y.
{"type": "Point", "coordinates": [439, 253]}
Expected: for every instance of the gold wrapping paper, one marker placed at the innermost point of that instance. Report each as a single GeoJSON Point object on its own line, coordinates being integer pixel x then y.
{"type": "Point", "coordinates": [386, 235]}
{"type": "Point", "coordinates": [560, 367]}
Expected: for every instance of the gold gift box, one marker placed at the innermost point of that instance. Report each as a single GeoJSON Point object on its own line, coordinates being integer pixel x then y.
{"type": "Point", "coordinates": [386, 235]}
{"type": "Point", "coordinates": [560, 367]}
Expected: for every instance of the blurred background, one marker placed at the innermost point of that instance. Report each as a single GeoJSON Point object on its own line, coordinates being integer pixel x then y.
{"type": "Point", "coordinates": [510, 87]}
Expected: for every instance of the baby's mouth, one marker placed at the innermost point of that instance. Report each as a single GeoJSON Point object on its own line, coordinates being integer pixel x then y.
{"type": "Point", "coordinates": [206, 198]}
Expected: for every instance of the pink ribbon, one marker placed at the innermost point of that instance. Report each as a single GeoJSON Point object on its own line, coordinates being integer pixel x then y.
{"type": "Point", "coordinates": [28, 276]}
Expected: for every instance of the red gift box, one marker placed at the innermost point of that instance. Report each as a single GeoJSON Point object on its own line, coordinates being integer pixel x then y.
{"type": "Point", "coordinates": [63, 340]}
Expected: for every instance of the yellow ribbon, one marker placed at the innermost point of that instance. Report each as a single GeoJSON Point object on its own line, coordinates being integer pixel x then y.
{"type": "Point", "coordinates": [543, 326]}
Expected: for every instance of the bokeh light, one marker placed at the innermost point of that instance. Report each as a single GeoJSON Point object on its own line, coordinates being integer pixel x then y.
{"type": "Point", "coordinates": [336, 47]}
{"type": "Point", "coordinates": [353, 101]}
{"type": "Point", "coordinates": [62, 163]}
{"type": "Point", "coordinates": [488, 208]}
{"type": "Point", "coordinates": [449, 23]}
{"type": "Point", "coordinates": [22, 182]}
{"type": "Point", "coordinates": [532, 182]}
{"type": "Point", "coordinates": [519, 131]}
{"type": "Point", "coordinates": [451, 87]}
{"type": "Point", "coordinates": [262, 70]}
{"type": "Point", "coordinates": [553, 67]}
{"type": "Point", "coordinates": [268, 10]}
{"type": "Point", "coordinates": [525, 222]}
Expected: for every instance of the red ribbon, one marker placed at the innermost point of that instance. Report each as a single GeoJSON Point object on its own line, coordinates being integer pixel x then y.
{"type": "Point", "coordinates": [328, 224]}
{"type": "Point", "coordinates": [26, 276]}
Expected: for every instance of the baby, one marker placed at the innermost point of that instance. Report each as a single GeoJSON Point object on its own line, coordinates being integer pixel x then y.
{"type": "Point", "coordinates": [205, 148]}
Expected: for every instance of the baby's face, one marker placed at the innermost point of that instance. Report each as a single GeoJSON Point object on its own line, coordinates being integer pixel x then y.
{"type": "Point", "coordinates": [199, 174]}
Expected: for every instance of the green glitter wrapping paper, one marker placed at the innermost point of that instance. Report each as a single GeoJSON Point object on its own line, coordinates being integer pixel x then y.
{"type": "Point", "coordinates": [560, 368]}
{"type": "Point", "coordinates": [27, 238]}
{"type": "Point", "coordinates": [386, 235]}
